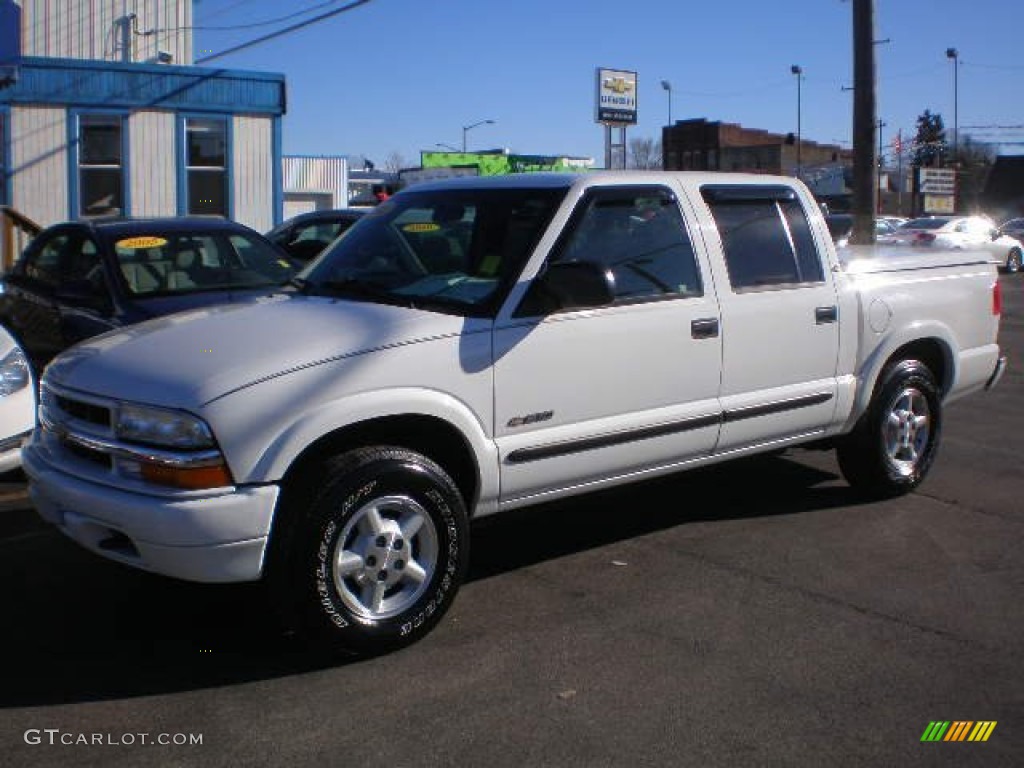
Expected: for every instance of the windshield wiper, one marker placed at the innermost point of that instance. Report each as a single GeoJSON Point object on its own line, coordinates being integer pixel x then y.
{"type": "Point", "coordinates": [353, 287]}
{"type": "Point", "coordinates": [359, 289]}
{"type": "Point", "coordinates": [301, 283]}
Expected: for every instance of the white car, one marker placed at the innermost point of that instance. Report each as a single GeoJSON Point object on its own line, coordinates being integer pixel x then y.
{"type": "Point", "coordinates": [963, 233]}
{"type": "Point", "coordinates": [17, 402]}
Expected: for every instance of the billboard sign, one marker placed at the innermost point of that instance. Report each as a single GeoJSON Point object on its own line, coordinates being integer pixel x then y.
{"type": "Point", "coordinates": [616, 97]}
{"type": "Point", "coordinates": [941, 204]}
{"type": "Point", "coordinates": [937, 181]}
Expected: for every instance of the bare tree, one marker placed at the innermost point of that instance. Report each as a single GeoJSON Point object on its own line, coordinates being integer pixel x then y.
{"type": "Point", "coordinates": [645, 154]}
{"type": "Point", "coordinates": [394, 162]}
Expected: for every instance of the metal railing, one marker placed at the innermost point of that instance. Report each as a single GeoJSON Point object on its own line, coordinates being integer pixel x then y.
{"type": "Point", "coordinates": [16, 232]}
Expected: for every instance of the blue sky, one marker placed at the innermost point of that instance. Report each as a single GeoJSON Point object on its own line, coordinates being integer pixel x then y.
{"type": "Point", "coordinates": [401, 76]}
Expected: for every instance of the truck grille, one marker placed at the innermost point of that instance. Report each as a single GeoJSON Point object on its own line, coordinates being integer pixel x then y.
{"type": "Point", "coordinates": [87, 412]}
{"type": "Point", "coordinates": [78, 432]}
{"type": "Point", "coordinates": [76, 413]}
{"type": "Point", "coordinates": [72, 423]}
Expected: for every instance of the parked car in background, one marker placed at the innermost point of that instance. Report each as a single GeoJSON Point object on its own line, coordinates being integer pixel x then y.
{"type": "Point", "coordinates": [963, 233]}
{"type": "Point", "coordinates": [1013, 228]}
{"type": "Point", "coordinates": [840, 225]}
{"type": "Point", "coordinates": [306, 235]}
{"type": "Point", "coordinates": [17, 401]}
{"type": "Point", "coordinates": [78, 279]}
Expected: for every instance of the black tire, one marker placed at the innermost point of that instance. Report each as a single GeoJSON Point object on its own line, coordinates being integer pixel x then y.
{"type": "Point", "coordinates": [895, 442]}
{"type": "Point", "coordinates": [1013, 260]}
{"type": "Point", "coordinates": [376, 558]}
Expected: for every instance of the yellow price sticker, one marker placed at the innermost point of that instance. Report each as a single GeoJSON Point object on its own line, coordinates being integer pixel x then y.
{"type": "Point", "coordinates": [422, 226]}
{"type": "Point", "coordinates": [145, 241]}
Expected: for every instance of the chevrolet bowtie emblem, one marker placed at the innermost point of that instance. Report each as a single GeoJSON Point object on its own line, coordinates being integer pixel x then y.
{"type": "Point", "coordinates": [617, 84]}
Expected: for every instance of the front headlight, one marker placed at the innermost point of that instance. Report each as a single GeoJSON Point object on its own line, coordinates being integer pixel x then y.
{"type": "Point", "coordinates": [162, 427]}
{"type": "Point", "coordinates": [14, 372]}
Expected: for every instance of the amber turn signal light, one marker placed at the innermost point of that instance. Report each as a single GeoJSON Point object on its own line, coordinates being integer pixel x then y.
{"type": "Point", "coordinates": [187, 478]}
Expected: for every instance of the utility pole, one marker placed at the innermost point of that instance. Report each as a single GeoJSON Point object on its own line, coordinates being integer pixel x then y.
{"type": "Point", "coordinates": [954, 55]}
{"type": "Point", "coordinates": [797, 70]}
{"type": "Point", "coordinates": [865, 161]}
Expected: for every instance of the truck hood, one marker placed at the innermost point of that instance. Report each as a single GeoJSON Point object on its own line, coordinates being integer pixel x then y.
{"type": "Point", "coordinates": [188, 359]}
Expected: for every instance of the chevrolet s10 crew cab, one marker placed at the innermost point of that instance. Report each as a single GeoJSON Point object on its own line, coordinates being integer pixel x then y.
{"type": "Point", "coordinates": [476, 345]}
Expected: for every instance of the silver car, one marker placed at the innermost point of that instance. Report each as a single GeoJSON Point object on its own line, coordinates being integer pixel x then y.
{"type": "Point", "coordinates": [963, 233]}
{"type": "Point", "coordinates": [17, 401]}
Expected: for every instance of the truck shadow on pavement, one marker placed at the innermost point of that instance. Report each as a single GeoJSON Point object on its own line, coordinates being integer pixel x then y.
{"type": "Point", "coordinates": [79, 628]}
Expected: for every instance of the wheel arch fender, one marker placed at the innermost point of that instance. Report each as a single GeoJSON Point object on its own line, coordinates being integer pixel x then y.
{"type": "Point", "coordinates": [415, 418]}
{"type": "Point", "coordinates": [932, 343]}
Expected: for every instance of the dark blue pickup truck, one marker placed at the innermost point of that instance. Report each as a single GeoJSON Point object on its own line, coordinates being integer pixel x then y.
{"type": "Point", "coordinates": [79, 279]}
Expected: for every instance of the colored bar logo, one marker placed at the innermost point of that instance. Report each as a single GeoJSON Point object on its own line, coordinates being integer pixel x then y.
{"type": "Point", "coordinates": [958, 730]}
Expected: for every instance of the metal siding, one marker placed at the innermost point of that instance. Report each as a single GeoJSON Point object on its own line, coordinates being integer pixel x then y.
{"type": "Point", "coordinates": [90, 29]}
{"type": "Point", "coordinates": [152, 178]}
{"type": "Point", "coordinates": [317, 174]}
{"type": "Point", "coordinates": [252, 172]}
{"type": "Point", "coordinates": [39, 163]}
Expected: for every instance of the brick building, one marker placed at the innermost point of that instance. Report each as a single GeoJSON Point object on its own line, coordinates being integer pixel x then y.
{"type": "Point", "coordinates": [700, 144]}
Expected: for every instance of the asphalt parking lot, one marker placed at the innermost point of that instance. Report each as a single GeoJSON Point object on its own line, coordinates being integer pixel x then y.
{"type": "Point", "coordinates": [749, 614]}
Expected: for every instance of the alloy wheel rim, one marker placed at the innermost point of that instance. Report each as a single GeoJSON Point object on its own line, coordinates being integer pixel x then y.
{"type": "Point", "coordinates": [385, 557]}
{"type": "Point", "coordinates": [907, 430]}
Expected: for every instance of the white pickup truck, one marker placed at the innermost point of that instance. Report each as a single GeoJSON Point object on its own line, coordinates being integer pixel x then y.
{"type": "Point", "coordinates": [481, 344]}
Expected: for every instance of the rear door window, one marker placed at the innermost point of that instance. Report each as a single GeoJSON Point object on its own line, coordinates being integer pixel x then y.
{"type": "Point", "coordinates": [765, 235]}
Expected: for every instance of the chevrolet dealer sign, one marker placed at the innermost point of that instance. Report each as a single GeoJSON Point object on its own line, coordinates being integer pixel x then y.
{"type": "Point", "coordinates": [616, 96]}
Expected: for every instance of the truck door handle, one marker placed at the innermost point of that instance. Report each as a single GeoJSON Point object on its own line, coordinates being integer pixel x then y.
{"type": "Point", "coordinates": [824, 315]}
{"type": "Point", "coordinates": [704, 328]}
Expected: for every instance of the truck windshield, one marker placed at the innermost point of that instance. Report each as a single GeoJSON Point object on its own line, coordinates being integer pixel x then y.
{"type": "Point", "coordinates": [453, 250]}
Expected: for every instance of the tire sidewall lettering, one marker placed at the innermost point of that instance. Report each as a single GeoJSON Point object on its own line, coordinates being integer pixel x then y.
{"type": "Point", "coordinates": [327, 598]}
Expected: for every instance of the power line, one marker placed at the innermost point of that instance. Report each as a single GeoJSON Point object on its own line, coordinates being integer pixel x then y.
{"type": "Point", "coordinates": [329, 14]}
{"type": "Point", "coordinates": [225, 9]}
{"type": "Point", "coordinates": [250, 25]}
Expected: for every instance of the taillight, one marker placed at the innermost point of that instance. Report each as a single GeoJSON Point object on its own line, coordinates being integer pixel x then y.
{"type": "Point", "coordinates": [924, 238]}
{"type": "Point", "coordinates": [997, 299]}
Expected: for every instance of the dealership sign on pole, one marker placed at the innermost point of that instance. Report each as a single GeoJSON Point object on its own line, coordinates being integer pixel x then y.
{"type": "Point", "coordinates": [616, 96]}
{"type": "Point", "coordinates": [938, 188]}
{"type": "Point", "coordinates": [615, 108]}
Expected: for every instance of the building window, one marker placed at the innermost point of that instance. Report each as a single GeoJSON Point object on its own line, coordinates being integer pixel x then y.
{"type": "Point", "coordinates": [100, 165]}
{"type": "Point", "coordinates": [206, 147]}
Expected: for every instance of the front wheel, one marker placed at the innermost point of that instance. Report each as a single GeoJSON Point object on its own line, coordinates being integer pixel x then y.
{"type": "Point", "coordinates": [895, 442]}
{"type": "Point", "coordinates": [378, 555]}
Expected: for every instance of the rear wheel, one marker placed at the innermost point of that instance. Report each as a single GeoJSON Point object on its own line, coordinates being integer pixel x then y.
{"type": "Point", "coordinates": [895, 442]}
{"type": "Point", "coordinates": [376, 558]}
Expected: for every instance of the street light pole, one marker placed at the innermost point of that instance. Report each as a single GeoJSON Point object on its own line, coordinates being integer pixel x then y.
{"type": "Point", "coordinates": [467, 128]}
{"type": "Point", "coordinates": [798, 71]}
{"type": "Point", "coordinates": [881, 162]}
{"type": "Point", "coordinates": [952, 54]}
{"type": "Point", "coordinates": [668, 87]}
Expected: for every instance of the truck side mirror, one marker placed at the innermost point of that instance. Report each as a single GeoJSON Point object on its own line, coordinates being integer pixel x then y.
{"type": "Point", "coordinates": [569, 285]}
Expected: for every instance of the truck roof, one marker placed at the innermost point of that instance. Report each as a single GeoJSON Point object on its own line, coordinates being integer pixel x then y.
{"type": "Point", "coordinates": [551, 180]}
